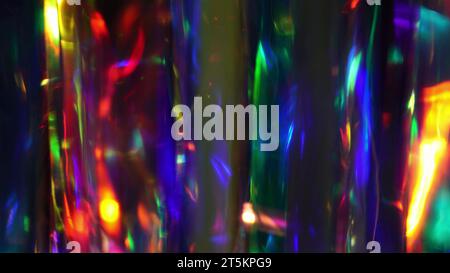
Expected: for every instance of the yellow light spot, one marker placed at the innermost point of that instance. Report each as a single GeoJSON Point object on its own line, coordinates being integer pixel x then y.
{"type": "Point", "coordinates": [248, 215]}
{"type": "Point", "coordinates": [52, 22]}
{"type": "Point", "coordinates": [44, 82]}
{"type": "Point", "coordinates": [412, 103]}
{"type": "Point", "coordinates": [109, 210]}
{"type": "Point", "coordinates": [65, 145]}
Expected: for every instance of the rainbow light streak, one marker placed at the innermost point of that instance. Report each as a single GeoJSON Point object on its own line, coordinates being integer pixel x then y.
{"type": "Point", "coordinates": [85, 126]}
{"type": "Point", "coordinates": [431, 156]}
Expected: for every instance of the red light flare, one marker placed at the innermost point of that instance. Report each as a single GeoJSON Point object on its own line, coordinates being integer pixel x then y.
{"type": "Point", "coordinates": [116, 73]}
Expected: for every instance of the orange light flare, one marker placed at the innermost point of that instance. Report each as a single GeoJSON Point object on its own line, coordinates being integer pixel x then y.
{"type": "Point", "coordinates": [248, 216]}
{"type": "Point", "coordinates": [109, 211]}
{"type": "Point", "coordinates": [429, 158]}
{"type": "Point", "coordinates": [351, 5]}
{"type": "Point", "coordinates": [354, 4]}
{"type": "Point", "coordinates": [108, 206]}
{"type": "Point", "coordinates": [76, 222]}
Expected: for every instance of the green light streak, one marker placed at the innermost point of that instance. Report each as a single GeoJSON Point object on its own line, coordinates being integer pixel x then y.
{"type": "Point", "coordinates": [26, 224]}
{"type": "Point", "coordinates": [261, 67]}
{"type": "Point", "coordinates": [55, 148]}
{"type": "Point", "coordinates": [130, 241]}
{"type": "Point", "coordinates": [414, 130]}
{"type": "Point", "coordinates": [353, 73]}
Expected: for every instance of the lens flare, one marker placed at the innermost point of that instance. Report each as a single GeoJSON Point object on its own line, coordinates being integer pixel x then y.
{"type": "Point", "coordinates": [109, 210]}
{"type": "Point", "coordinates": [430, 158]}
{"type": "Point", "coordinates": [248, 214]}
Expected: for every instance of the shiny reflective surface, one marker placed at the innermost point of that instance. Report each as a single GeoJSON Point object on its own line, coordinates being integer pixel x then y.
{"type": "Point", "coordinates": [85, 115]}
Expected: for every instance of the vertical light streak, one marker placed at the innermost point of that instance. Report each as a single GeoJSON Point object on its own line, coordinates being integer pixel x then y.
{"type": "Point", "coordinates": [53, 74]}
{"type": "Point", "coordinates": [260, 71]}
{"type": "Point", "coordinates": [108, 206]}
{"type": "Point", "coordinates": [431, 157]}
{"type": "Point", "coordinates": [355, 62]}
{"type": "Point", "coordinates": [71, 207]}
{"type": "Point", "coordinates": [52, 22]}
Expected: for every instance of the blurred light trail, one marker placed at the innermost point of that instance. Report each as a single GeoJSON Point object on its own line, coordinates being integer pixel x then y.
{"type": "Point", "coordinates": [431, 156]}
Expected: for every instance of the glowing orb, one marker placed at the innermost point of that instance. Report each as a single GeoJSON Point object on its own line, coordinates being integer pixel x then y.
{"type": "Point", "coordinates": [109, 210]}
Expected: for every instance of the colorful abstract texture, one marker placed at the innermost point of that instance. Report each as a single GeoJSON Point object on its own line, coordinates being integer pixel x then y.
{"type": "Point", "coordinates": [86, 152]}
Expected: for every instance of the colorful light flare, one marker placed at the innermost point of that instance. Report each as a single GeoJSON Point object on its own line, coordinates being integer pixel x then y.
{"type": "Point", "coordinates": [109, 210]}
{"type": "Point", "coordinates": [248, 214]}
{"type": "Point", "coordinates": [52, 21]}
{"type": "Point", "coordinates": [430, 157]}
{"type": "Point", "coordinates": [106, 77]}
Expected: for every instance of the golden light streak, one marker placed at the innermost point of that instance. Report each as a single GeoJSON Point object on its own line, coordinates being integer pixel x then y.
{"type": "Point", "coordinates": [52, 21]}
{"type": "Point", "coordinates": [431, 157]}
{"type": "Point", "coordinates": [349, 134]}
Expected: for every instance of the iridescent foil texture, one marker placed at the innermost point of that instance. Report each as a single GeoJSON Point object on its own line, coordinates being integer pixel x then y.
{"type": "Point", "coordinates": [87, 154]}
